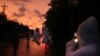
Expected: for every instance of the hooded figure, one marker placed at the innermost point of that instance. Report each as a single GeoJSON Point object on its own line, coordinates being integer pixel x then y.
{"type": "Point", "coordinates": [88, 36]}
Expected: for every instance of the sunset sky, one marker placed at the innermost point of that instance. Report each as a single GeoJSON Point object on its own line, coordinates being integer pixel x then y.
{"type": "Point", "coordinates": [27, 12]}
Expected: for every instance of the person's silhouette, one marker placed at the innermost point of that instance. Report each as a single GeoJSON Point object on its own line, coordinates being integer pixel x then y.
{"type": "Point", "coordinates": [27, 35]}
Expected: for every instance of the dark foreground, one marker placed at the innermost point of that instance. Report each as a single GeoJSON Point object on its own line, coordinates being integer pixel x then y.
{"type": "Point", "coordinates": [24, 49]}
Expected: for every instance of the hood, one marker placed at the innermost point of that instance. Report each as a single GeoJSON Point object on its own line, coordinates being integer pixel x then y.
{"type": "Point", "coordinates": [88, 31]}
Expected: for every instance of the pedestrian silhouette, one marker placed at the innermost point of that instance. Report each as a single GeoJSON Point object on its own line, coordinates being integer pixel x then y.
{"type": "Point", "coordinates": [27, 35]}
{"type": "Point", "coordinates": [36, 36]}
{"type": "Point", "coordinates": [15, 43]}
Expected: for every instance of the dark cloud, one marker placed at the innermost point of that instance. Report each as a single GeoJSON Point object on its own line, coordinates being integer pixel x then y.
{"type": "Point", "coordinates": [37, 13]}
{"type": "Point", "coordinates": [19, 3]}
{"type": "Point", "coordinates": [21, 13]}
{"type": "Point", "coordinates": [21, 0]}
{"type": "Point", "coordinates": [22, 9]}
{"type": "Point", "coordinates": [18, 14]}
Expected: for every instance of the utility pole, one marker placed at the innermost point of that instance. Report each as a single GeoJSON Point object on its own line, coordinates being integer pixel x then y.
{"type": "Point", "coordinates": [4, 7]}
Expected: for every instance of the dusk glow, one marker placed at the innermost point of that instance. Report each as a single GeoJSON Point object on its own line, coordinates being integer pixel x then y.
{"type": "Point", "coordinates": [27, 12]}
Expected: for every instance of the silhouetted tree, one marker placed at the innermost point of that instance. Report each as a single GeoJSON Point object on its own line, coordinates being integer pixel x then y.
{"type": "Point", "coordinates": [63, 18]}
{"type": "Point", "coordinates": [9, 31]}
{"type": "Point", "coordinates": [59, 23]}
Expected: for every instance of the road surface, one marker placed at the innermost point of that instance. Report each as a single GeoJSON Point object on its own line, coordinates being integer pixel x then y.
{"type": "Point", "coordinates": [23, 50]}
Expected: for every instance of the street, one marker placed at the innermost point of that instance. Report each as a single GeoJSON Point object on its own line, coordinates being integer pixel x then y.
{"type": "Point", "coordinates": [23, 50]}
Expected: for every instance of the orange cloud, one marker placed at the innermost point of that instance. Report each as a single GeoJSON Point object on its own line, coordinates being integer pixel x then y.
{"type": "Point", "coordinates": [27, 12]}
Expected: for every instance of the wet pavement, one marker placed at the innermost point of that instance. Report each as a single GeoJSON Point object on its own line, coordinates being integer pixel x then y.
{"type": "Point", "coordinates": [24, 49]}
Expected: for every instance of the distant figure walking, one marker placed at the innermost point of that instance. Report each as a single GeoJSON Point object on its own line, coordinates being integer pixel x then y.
{"type": "Point", "coordinates": [15, 43]}
{"type": "Point", "coordinates": [27, 35]}
{"type": "Point", "coordinates": [36, 36]}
